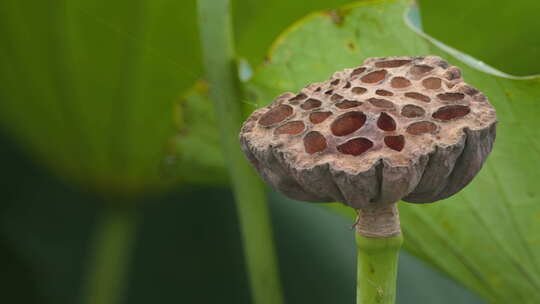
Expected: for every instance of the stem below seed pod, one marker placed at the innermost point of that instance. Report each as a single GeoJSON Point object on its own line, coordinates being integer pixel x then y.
{"type": "Point", "coordinates": [378, 240]}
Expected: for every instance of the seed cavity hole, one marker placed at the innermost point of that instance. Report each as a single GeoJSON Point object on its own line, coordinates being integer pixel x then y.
{"type": "Point", "coordinates": [386, 122]}
{"type": "Point", "coordinates": [358, 90]}
{"type": "Point", "coordinates": [311, 104]}
{"type": "Point", "coordinates": [357, 71]}
{"type": "Point", "coordinates": [336, 97]}
{"type": "Point", "coordinates": [347, 104]}
{"type": "Point", "coordinates": [432, 83]}
{"type": "Point", "coordinates": [381, 103]}
{"type": "Point", "coordinates": [292, 127]}
{"type": "Point", "coordinates": [392, 63]}
{"type": "Point", "coordinates": [384, 93]}
{"type": "Point", "coordinates": [356, 146]}
{"type": "Point", "coordinates": [421, 127]}
{"type": "Point", "coordinates": [335, 82]}
{"type": "Point", "coordinates": [374, 77]}
{"type": "Point", "coordinates": [400, 82]}
{"type": "Point", "coordinates": [347, 85]}
{"type": "Point", "coordinates": [318, 117]}
{"type": "Point", "coordinates": [348, 123]}
{"type": "Point", "coordinates": [412, 111]}
{"type": "Point", "coordinates": [452, 73]}
{"type": "Point", "coordinates": [314, 142]}
{"type": "Point", "coordinates": [421, 69]}
{"type": "Point", "coordinates": [451, 96]}
{"type": "Point", "coordinates": [470, 90]}
{"type": "Point", "coordinates": [299, 97]}
{"type": "Point", "coordinates": [451, 112]}
{"type": "Point", "coordinates": [275, 115]}
{"type": "Point", "coordinates": [418, 96]}
{"type": "Point", "coordinates": [396, 143]}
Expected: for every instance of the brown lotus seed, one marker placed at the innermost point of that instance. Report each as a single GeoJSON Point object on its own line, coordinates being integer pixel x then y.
{"type": "Point", "coordinates": [421, 127]}
{"type": "Point", "coordinates": [318, 117]}
{"type": "Point", "coordinates": [400, 82]}
{"type": "Point", "coordinates": [355, 146]}
{"type": "Point", "coordinates": [386, 122]}
{"type": "Point", "coordinates": [311, 104]}
{"type": "Point", "coordinates": [412, 111]}
{"type": "Point", "coordinates": [348, 123]}
{"type": "Point", "coordinates": [292, 127]}
{"type": "Point", "coordinates": [358, 90]}
{"type": "Point", "coordinates": [451, 112]}
{"type": "Point", "coordinates": [381, 103]}
{"type": "Point", "coordinates": [451, 96]}
{"type": "Point", "coordinates": [391, 63]}
{"type": "Point", "coordinates": [384, 93]}
{"type": "Point", "coordinates": [347, 104]}
{"type": "Point", "coordinates": [420, 69]}
{"type": "Point", "coordinates": [432, 83]}
{"type": "Point", "coordinates": [314, 142]}
{"type": "Point", "coordinates": [276, 115]}
{"type": "Point", "coordinates": [396, 143]}
{"type": "Point", "coordinates": [374, 77]}
{"type": "Point", "coordinates": [418, 96]}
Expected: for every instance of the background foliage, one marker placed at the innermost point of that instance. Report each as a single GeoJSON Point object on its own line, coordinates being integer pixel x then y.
{"type": "Point", "coordinates": [86, 90]}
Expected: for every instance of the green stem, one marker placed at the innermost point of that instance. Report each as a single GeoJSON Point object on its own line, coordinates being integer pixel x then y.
{"type": "Point", "coordinates": [219, 61]}
{"type": "Point", "coordinates": [111, 250]}
{"type": "Point", "coordinates": [377, 263]}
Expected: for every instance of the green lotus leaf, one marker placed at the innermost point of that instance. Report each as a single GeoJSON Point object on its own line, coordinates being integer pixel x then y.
{"type": "Point", "coordinates": [88, 87]}
{"type": "Point", "coordinates": [487, 236]}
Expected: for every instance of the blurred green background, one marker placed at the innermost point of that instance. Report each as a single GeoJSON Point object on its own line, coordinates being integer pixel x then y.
{"type": "Point", "coordinates": [68, 150]}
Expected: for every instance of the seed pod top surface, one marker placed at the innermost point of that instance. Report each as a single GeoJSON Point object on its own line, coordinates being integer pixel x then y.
{"type": "Point", "coordinates": [393, 128]}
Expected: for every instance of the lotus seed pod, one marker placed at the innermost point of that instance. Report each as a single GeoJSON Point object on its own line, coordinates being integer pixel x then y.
{"type": "Point", "coordinates": [394, 128]}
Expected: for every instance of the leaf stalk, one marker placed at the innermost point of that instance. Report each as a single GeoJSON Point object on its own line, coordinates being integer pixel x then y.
{"type": "Point", "coordinates": [215, 25]}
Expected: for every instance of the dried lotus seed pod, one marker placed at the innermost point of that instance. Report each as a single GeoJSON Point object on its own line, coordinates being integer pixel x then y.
{"type": "Point", "coordinates": [394, 128]}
